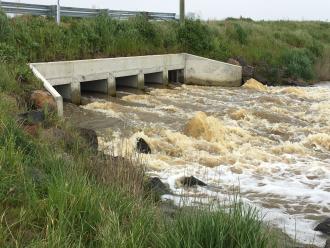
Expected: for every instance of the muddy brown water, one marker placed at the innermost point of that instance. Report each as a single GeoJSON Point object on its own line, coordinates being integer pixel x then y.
{"type": "Point", "coordinates": [271, 142]}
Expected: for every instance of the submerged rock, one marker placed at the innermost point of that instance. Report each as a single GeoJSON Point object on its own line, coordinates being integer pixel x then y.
{"type": "Point", "coordinates": [324, 227]}
{"type": "Point", "coordinates": [192, 181]}
{"type": "Point", "coordinates": [42, 99]}
{"type": "Point", "coordinates": [142, 146]}
{"type": "Point", "coordinates": [156, 185]}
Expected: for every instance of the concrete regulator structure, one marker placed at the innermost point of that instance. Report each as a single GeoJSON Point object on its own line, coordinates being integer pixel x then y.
{"type": "Point", "coordinates": [67, 79]}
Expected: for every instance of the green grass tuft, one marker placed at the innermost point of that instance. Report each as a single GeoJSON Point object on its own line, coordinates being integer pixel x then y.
{"type": "Point", "coordinates": [237, 226]}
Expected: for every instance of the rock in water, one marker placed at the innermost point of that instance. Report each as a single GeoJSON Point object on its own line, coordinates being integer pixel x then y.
{"type": "Point", "coordinates": [192, 181]}
{"type": "Point", "coordinates": [90, 137]}
{"type": "Point", "coordinates": [327, 244]}
{"type": "Point", "coordinates": [157, 186]}
{"type": "Point", "coordinates": [142, 146]}
{"type": "Point", "coordinates": [42, 99]}
{"type": "Point", "coordinates": [324, 227]}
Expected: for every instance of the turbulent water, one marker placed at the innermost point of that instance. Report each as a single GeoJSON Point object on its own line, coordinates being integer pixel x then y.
{"type": "Point", "coordinates": [271, 142]}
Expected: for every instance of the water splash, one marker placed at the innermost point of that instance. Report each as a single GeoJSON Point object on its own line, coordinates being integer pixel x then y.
{"type": "Point", "coordinates": [273, 142]}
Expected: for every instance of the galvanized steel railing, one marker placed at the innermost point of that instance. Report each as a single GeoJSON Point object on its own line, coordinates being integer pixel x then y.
{"type": "Point", "coordinates": [51, 10]}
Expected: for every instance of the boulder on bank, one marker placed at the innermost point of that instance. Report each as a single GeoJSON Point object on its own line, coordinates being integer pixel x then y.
{"type": "Point", "coordinates": [41, 99]}
{"type": "Point", "coordinates": [31, 121]}
{"type": "Point", "coordinates": [323, 227]}
{"type": "Point", "coordinates": [241, 61]}
{"type": "Point", "coordinates": [156, 185]}
{"type": "Point", "coordinates": [32, 117]}
{"type": "Point", "coordinates": [142, 146]}
{"type": "Point", "coordinates": [247, 72]}
{"type": "Point", "coordinates": [31, 129]}
{"type": "Point", "coordinates": [233, 62]}
{"type": "Point", "coordinates": [191, 182]}
{"type": "Point", "coordinates": [90, 137]}
{"type": "Point", "coordinates": [292, 82]}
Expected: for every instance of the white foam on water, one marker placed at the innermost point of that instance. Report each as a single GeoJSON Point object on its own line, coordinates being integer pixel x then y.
{"type": "Point", "coordinates": [291, 190]}
{"type": "Point", "coordinates": [272, 143]}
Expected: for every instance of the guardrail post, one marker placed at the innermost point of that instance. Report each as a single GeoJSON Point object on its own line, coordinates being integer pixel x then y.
{"type": "Point", "coordinates": [58, 12]}
{"type": "Point", "coordinates": [182, 11]}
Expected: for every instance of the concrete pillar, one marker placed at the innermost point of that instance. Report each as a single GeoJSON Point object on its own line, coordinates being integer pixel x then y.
{"type": "Point", "coordinates": [181, 76]}
{"type": "Point", "coordinates": [165, 77]}
{"type": "Point", "coordinates": [111, 85]}
{"type": "Point", "coordinates": [75, 91]}
{"type": "Point", "coordinates": [140, 85]}
{"type": "Point", "coordinates": [177, 76]}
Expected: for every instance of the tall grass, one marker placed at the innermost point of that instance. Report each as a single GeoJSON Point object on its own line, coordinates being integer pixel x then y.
{"type": "Point", "coordinates": [50, 197]}
{"type": "Point", "coordinates": [237, 226]}
{"type": "Point", "coordinates": [263, 44]}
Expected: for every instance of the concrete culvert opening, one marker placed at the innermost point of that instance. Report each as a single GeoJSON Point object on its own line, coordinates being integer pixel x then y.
{"type": "Point", "coordinates": [64, 90]}
{"type": "Point", "coordinates": [127, 82]}
{"type": "Point", "coordinates": [176, 76]}
{"type": "Point", "coordinates": [99, 86]}
{"type": "Point", "coordinates": [154, 78]}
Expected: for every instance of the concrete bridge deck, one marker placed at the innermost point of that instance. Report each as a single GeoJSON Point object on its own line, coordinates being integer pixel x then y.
{"type": "Point", "coordinates": [66, 79]}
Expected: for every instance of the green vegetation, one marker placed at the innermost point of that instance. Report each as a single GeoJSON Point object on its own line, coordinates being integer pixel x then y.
{"type": "Point", "coordinates": [237, 228]}
{"type": "Point", "coordinates": [55, 192]}
{"type": "Point", "coordinates": [299, 50]}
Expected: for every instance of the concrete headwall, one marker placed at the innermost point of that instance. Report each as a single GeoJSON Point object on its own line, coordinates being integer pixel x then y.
{"type": "Point", "coordinates": [208, 72]}
{"type": "Point", "coordinates": [66, 79]}
{"type": "Point", "coordinates": [86, 70]}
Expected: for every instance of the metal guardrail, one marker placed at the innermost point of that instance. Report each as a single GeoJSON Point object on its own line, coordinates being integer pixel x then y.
{"type": "Point", "coordinates": [51, 10]}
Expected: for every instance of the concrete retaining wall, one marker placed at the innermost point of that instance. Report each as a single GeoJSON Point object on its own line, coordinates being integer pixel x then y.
{"type": "Point", "coordinates": [208, 72]}
{"type": "Point", "coordinates": [69, 78]}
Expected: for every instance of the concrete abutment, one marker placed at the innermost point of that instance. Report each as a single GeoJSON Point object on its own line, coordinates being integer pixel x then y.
{"type": "Point", "coordinates": [176, 76]}
{"type": "Point", "coordinates": [111, 85]}
{"type": "Point", "coordinates": [68, 79]}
